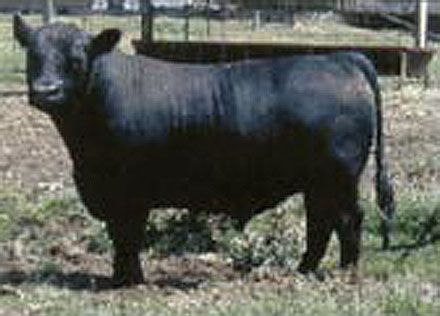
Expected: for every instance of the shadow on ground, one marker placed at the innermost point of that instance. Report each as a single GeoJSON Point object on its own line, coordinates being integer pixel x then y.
{"type": "Point", "coordinates": [174, 273]}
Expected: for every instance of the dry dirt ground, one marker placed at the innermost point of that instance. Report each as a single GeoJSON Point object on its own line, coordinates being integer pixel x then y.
{"type": "Point", "coordinates": [34, 160]}
{"type": "Point", "coordinates": [32, 155]}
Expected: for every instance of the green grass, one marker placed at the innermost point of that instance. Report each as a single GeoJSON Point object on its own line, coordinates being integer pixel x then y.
{"type": "Point", "coordinates": [404, 281]}
{"type": "Point", "coordinates": [306, 31]}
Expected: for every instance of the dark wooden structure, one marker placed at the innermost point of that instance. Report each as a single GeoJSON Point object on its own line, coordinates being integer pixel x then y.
{"type": "Point", "coordinates": [391, 60]}
{"type": "Point", "coordinates": [403, 61]}
{"type": "Point", "coordinates": [61, 6]}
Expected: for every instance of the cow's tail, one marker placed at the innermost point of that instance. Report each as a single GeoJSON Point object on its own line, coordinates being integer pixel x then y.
{"type": "Point", "coordinates": [384, 188]}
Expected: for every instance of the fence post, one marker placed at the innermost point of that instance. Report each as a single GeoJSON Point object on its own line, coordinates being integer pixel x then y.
{"type": "Point", "coordinates": [422, 25]}
{"type": "Point", "coordinates": [187, 13]}
{"type": "Point", "coordinates": [147, 21]}
{"type": "Point", "coordinates": [403, 68]}
{"type": "Point", "coordinates": [339, 5]}
{"type": "Point", "coordinates": [48, 11]}
{"type": "Point", "coordinates": [208, 18]}
{"type": "Point", "coordinates": [256, 25]}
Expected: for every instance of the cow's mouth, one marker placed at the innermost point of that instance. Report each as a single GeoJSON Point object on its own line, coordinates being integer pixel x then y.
{"type": "Point", "coordinates": [48, 99]}
{"type": "Point", "coordinates": [46, 92]}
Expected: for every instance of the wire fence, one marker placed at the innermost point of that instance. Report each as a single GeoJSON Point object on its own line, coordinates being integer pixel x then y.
{"type": "Point", "coordinates": [317, 22]}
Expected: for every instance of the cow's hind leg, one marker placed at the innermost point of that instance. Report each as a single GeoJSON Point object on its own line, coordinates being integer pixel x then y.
{"type": "Point", "coordinates": [320, 224]}
{"type": "Point", "coordinates": [128, 235]}
{"type": "Point", "coordinates": [348, 147]}
{"type": "Point", "coordinates": [349, 227]}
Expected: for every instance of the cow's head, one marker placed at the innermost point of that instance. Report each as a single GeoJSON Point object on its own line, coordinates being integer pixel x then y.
{"type": "Point", "coordinates": [58, 60]}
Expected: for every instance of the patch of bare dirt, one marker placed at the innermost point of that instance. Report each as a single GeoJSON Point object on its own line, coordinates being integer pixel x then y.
{"type": "Point", "coordinates": [32, 155]}
{"type": "Point", "coordinates": [412, 127]}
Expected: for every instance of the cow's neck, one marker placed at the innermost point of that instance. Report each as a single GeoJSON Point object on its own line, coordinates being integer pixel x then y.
{"type": "Point", "coordinates": [77, 129]}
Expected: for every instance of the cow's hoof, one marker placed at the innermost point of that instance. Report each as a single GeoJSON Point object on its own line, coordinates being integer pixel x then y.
{"type": "Point", "coordinates": [316, 276]}
{"type": "Point", "coordinates": [119, 281]}
{"type": "Point", "coordinates": [305, 267]}
{"type": "Point", "coordinates": [313, 274]}
{"type": "Point", "coordinates": [350, 274]}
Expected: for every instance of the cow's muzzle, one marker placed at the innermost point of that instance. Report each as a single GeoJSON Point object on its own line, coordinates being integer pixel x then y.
{"type": "Point", "coordinates": [47, 88]}
{"type": "Point", "coordinates": [47, 92]}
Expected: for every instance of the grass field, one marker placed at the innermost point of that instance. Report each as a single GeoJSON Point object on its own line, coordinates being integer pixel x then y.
{"type": "Point", "coordinates": [56, 260]}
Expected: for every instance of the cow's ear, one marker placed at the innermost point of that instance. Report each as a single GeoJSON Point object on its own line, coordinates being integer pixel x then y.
{"type": "Point", "coordinates": [104, 42]}
{"type": "Point", "coordinates": [22, 31]}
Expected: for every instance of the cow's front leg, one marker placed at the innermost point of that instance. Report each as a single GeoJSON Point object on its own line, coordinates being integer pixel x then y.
{"type": "Point", "coordinates": [128, 235]}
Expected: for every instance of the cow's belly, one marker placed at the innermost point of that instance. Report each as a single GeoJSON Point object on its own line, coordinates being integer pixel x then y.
{"type": "Point", "coordinates": [221, 176]}
{"type": "Point", "coordinates": [232, 177]}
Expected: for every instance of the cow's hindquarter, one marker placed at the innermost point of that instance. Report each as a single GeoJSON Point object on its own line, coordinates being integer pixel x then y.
{"type": "Point", "coordinates": [312, 109]}
{"type": "Point", "coordinates": [337, 104]}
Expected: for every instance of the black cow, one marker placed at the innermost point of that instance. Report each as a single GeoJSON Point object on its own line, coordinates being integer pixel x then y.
{"type": "Point", "coordinates": [234, 137]}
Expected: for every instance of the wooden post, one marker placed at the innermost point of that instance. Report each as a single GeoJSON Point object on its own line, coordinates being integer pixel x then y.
{"type": "Point", "coordinates": [403, 68]}
{"type": "Point", "coordinates": [186, 24]}
{"type": "Point", "coordinates": [422, 25]}
{"type": "Point", "coordinates": [48, 11]}
{"type": "Point", "coordinates": [147, 21]}
{"type": "Point", "coordinates": [338, 5]}
{"type": "Point", "coordinates": [208, 18]}
{"type": "Point", "coordinates": [257, 20]}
